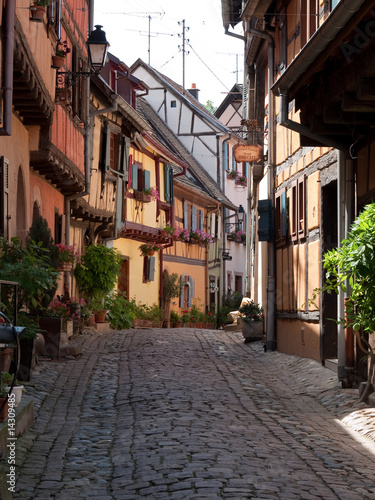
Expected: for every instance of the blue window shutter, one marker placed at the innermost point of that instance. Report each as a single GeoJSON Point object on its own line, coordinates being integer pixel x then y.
{"type": "Point", "coordinates": [146, 181]}
{"type": "Point", "coordinates": [234, 163]}
{"type": "Point", "coordinates": [191, 291]}
{"type": "Point", "coordinates": [171, 180]}
{"type": "Point", "coordinates": [284, 215]}
{"type": "Point", "coordinates": [201, 220]}
{"type": "Point", "coordinates": [151, 268]}
{"type": "Point", "coordinates": [134, 177]}
{"type": "Point", "coordinates": [186, 222]}
{"type": "Point", "coordinates": [225, 156]}
{"type": "Point", "coordinates": [167, 183]}
{"type": "Point", "coordinates": [182, 288]}
{"type": "Point", "coordinates": [194, 217]}
{"type": "Point", "coordinates": [265, 230]}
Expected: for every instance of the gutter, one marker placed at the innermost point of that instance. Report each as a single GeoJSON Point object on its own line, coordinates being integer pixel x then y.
{"type": "Point", "coordinates": [6, 130]}
{"type": "Point", "coordinates": [329, 30]}
{"type": "Point", "coordinates": [234, 35]}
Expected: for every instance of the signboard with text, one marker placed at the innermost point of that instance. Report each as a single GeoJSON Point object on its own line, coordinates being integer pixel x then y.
{"type": "Point", "coordinates": [248, 153]}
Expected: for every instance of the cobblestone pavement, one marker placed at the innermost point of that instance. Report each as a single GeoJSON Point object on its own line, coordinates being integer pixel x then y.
{"type": "Point", "coordinates": [194, 414]}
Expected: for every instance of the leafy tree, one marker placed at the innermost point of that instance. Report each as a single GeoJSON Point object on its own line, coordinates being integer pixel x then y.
{"type": "Point", "coordinates": [210, 107]}
{"type": "Point", "coordinates": [353, 264]}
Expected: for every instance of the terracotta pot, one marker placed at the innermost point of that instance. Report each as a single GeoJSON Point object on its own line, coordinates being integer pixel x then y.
{"type": "Point", "coordinates": [4, 411]}
{"type": "Point", "coordinates": [150, 252]}
{"type": "Point", "coordinates": [100, 316]}
{"type": "Point", "coordinates": [58, 61]}
{"type": "Point", "coordinates": [37, 12]}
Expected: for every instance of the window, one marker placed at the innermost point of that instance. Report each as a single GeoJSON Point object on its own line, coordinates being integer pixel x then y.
{"type": "Point", "coordinates": [113, 151]}
{"type": "Point", "coordinates": [281, 217]}
{"type": "Point", "coordinates": [186, 291]}
{"type": "Point", "coordinates": [309, 19]}
{"type": "Point", "coordinates": [140, 179]}
{"type": "Point", "coordinates": [148, 269]}
{"type": "Point", "coordinates": [173, 104]}
{"type": "Point", "coordinates": [298, 212]}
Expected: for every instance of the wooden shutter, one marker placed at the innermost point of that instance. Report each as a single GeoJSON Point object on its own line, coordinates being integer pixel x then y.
{"type": "Point", "coordinates": [186, 213]}
{"type": "Point", "coordinates": [191, 291]}
{"type": "Point", "coordinates": [167, 183]}
{"type": "Point", "coordinates": [4, 197]}
{"type": "Point", "coordinates": [134, 183]}
{"type": "Point", "coordinates": [182, 289]}
{"type": "Point", "coordinates": [151, 269]}
{"type": "Point", "coordinates": [130, 171]}
{"type": "Point", "coordinates": [201, 222]}
{"type": "Point", "coordinates": [265, 220]}
{"type": "Point", "coordinates": [171, 187]}
{"type": "Point", "coordinates": [194, 218]}
{"type": "Point", "coordinates": [146, 179]}
{"type": "Point", "coordinates": [284, 215]}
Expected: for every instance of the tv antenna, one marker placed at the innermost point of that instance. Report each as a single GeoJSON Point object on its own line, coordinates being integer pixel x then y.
{"type": "Point", "coordinates": [147, 15]}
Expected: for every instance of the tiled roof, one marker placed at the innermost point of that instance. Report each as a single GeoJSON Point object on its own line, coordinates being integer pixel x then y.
{"type": "Point", "coordinates": [196, 172]}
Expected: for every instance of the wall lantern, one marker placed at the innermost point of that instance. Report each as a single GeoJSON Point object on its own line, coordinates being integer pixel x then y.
{"type": "Point", "coordinates": [97, 48]}
{"type": "Point", "coordinates": [240, 214]}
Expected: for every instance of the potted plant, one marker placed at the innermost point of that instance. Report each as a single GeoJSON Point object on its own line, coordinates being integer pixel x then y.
{"type": "Point", "coordinates": [251, 320]}
{"type": "Point", "coordinates": [62, 50]}
{"type": "Point", "coordinates": [67, 257]}
{"type": "Point", "coordinates": [241, 181]}
{"type": "Point", "coordinates": [171, 289]}
{"type": "Point", "coordinates": [233, 174]}
{"type": "Point", "coordinates": [97, 274]}
{"type": "Point", "coordinates": [353, 263]}
{"type": "Point", "coordinates": [175, 320]}
{"type": "Point", "coordinates": [17, 390]}
{"type": "Point", "coordinates": [152, 192]}
{"type": "Point", "coordinates": [38, 9]}
{"type": "Point", "coordinates": [149, 249]}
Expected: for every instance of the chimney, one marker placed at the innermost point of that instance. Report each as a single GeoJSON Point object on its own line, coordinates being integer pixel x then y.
{"type": "Point", "coordinates": [194, 91]}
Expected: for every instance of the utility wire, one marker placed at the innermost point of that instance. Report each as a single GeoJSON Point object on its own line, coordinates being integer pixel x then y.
{"type": "Point", "coordinates": [169, 60]}
{"type": "Point", "coordinates": [209, 69]}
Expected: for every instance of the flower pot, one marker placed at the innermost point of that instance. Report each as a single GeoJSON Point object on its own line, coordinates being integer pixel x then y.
{"type": "Point", "coordinates": [252, 330]}
{"type": "Point", "coordinates": [140, 196]}
{"type": "Point", "coordinates": [150, 252]}
{"type": "Point", "coordinates": [100, 316]}
{"type": "Point", "coordinates": [4, 411]}
{"type": "Point", "coordinates": [65, 267]}
{"type": "Point", "coordinates": [58, 61]}
{"type": "Point", "coordinates": [17, 391]}
{"type": "Point", "coordinates": [37, 12]}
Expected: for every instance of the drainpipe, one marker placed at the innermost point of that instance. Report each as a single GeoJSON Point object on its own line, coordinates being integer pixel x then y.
{"type": "Point", "coordinates": [223, 166]}
{"type": "Point", "coordinates": [271, 281]}
{"type": "Point", "coordinates": [6, 130]}
{"type": "Point", "coordinates": [341, 182]}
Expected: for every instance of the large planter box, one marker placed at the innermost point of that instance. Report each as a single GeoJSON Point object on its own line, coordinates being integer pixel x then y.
{"type": "Point", "coordinates": [252, 330]}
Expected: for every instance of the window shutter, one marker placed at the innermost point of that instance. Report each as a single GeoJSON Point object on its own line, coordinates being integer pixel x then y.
{"type": "Point", "coordinates": [265, 220]}
{"type": "Point", "coordinates": [225, 156]}
{"type": "Point", "coordinates": [4, 197]}
{"type": "Point", "coordinates": [186, 221]}
{"type": "Point", "coordinates": [151, 269]}
{"type": "Point", "coordinates": [130, 171]}
{"type": "Point", "coordinates": [167, 183]}
{"type": "Point", "coordinates": [182, 286]}
{"type": "Point", "coordinates": [146, 179]}
{"type": "Point", "coordinates": [234, 163]}
{"type": "Point", "coordinates": [171, 181]}
{"type": "Point", "coordinates": [134, 177]}
{"type": "Point", "coordinates": [191, 291]}
{"type": "Point", "coordinates": [201, 220]}
{"type": "Point", "coordinates": [193, 217]}
{"type": "Point", "coordinates": [284, 215]}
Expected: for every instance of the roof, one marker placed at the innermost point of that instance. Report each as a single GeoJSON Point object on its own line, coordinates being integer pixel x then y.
{"type": "Point", "coordinates": [183, 95]}
{"type": "Point", "coordinates": [235, 94]}
{"type": "Point", "coordinates": [199, 177]}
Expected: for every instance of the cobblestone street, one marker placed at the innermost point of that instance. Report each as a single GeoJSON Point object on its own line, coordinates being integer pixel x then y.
{"type": "Point", "coordinates": [195, 414]}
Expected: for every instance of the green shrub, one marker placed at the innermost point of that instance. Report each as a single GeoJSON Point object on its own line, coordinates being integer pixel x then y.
{"type": "Point", "coordinates": [120, 311]}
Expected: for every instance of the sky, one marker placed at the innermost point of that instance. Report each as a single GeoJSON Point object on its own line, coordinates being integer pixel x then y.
{"type": "Point", "coordinates": [215, 60]}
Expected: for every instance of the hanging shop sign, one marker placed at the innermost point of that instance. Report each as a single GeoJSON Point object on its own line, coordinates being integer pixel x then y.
{"type": "Point", "coordinates": [248, 153]}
